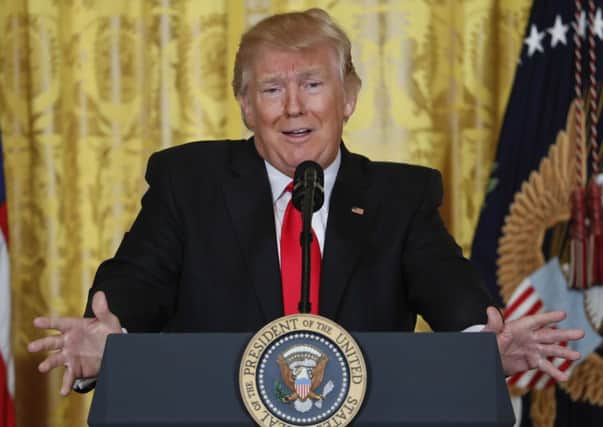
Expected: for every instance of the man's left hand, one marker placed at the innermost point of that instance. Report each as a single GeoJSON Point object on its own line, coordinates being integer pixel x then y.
{"type": "Point", "coordinates": [526, 343]}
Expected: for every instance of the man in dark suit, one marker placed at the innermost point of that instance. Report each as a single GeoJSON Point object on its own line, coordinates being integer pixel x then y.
{"type": "Point", "coordinates": [205, 249]}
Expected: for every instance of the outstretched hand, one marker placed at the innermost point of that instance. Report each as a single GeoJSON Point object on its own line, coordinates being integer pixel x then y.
{"type": "Point", "coordinates": [527, 342]}
{"type": "Point", "coordinates": [80, 343]}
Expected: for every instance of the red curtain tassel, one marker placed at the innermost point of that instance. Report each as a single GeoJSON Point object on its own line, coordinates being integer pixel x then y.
{"type": "Point", "coordinates": [596, 231]}
{"type": "Point", "coordinates": [578, 258]}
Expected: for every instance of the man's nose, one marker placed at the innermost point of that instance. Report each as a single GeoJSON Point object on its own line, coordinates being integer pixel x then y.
{"type": "Point", "coordinates": [294, 105]}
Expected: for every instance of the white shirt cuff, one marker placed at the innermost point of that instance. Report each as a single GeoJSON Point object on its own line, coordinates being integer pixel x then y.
{"type": "Point", "coordinates": [474, 328]}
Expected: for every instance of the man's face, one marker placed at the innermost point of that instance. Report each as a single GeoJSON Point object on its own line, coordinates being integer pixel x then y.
{"type": "Point", "coordinates": [295, 104]}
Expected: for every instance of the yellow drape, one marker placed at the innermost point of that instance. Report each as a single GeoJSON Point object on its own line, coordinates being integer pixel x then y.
{"type": "Point", "coordinates": [88, 89]}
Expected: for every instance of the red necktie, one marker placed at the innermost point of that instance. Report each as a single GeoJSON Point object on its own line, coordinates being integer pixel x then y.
{"type": "Point", "coordinates": [291, 263]}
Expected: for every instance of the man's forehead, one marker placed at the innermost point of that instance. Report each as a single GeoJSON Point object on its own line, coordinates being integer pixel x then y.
{"type": "Point", "coordinates": [274, 63]}
{"type": "Point", "coordinates": [299, 72]}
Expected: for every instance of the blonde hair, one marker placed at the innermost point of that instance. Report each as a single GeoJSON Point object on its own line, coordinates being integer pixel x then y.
{"type": "Point", "coordinates": [295, 31]}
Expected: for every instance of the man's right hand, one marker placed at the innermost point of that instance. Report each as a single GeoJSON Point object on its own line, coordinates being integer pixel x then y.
{"type": "Point", "coordinates": [80, 343]}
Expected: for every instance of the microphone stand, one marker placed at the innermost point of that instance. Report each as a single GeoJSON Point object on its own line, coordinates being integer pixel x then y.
{"type": "Point", "coordinates": [306, 239]}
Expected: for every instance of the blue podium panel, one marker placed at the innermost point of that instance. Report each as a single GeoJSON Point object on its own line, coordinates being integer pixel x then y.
{"type": "Point", "coordinates": [426, 380]}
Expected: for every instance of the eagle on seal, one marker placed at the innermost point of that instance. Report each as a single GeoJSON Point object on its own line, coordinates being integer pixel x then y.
{"type": "Point", "coordinates": [301, 380]}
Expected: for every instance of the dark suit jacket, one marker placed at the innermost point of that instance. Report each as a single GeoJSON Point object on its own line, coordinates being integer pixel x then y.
{"type": "Point", "coordinates": [202, 253]}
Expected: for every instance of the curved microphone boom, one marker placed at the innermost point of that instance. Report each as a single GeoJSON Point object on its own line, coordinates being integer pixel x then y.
{"type": "Point", "coordinates": [308, 197]}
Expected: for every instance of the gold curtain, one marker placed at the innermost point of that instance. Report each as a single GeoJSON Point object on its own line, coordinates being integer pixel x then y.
{"type": "Point", "coordinates": [89, 88]}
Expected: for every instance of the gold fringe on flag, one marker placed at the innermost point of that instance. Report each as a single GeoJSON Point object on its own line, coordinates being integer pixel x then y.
{"type": "Point", "coordinates": [544, 407]}
{"type": "Point", "coordinates": [586, 382]}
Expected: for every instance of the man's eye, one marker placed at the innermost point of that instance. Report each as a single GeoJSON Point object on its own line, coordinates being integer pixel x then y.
{"type": "Point", "coordinates": [313, 85]}
{"type": "Point", "coordinates": [270, 90]}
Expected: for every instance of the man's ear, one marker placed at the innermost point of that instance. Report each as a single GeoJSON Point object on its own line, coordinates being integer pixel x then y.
{"type": "Point", "coordinates": [246, 111]}
{"type": "Point", "coordinates": [349, 106]}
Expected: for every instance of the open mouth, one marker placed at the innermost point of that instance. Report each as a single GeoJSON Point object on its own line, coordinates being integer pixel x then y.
{"type": "Point", "coordinates": [297, 132]}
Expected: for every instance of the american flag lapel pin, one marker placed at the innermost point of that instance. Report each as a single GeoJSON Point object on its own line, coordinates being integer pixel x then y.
{"type": "Point", "coordinates": [357, 210]}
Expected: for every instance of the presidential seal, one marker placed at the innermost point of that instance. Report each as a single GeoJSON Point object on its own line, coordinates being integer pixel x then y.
{"type": "Point", "coordinates": [302, 370]}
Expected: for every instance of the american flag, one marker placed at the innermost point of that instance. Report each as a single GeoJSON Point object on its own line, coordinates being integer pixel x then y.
{"type": "Point", "coordinates": [7, 411]}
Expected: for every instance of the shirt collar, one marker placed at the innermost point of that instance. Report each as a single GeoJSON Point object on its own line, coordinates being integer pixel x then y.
{"type": "Point", "coordinates": [279, 181]}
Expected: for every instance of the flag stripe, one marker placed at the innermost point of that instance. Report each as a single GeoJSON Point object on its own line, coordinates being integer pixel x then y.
{"type": "Point", "coordinates": [520, 299]}
{"type": "Point", "coordinates": [530, 306]}
{"type": "Point", "coordinates": [519, 290]}
{"type": "Point", "coordinates": [535, 309]}
{"type": "Point", "coordinates": [536, 378]}
{"type": "Point", "coordinates": [4, 221]}
{"type": "Point", "coordinates": [524, 378]}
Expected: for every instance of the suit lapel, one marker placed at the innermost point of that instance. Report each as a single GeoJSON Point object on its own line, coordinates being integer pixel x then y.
{"type": "Point", "coordinates": [346, 231]}
{"type": "Point", "coordinates": [249, 200]}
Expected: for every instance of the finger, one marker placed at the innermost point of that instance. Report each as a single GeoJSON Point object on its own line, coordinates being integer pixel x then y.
{"type": "Point", "coordinates": [68, 380]}
{"type": "Point", "coordinates": [552, 336]}
{"type": "Point", "coordinates": [555, 350]}
{"type": "Point", "coordinates": [51, 362]}
{"type": "Point", "coordinates": [539, 320]}
{"type": "Point", "coordinates": [547, 367]}
{"type": "Point", "coordinates": [54, 342]}
{"type": "Point", "coordinates": [495, 320]}
{"type": "Point", "coordinates": [552, 325]}
{"type": "Point", "coordinates": [62, 324]}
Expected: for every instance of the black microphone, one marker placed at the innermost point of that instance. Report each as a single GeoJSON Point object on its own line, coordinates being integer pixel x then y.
{"type": "Point", "coordinates": [308, 185]}
{"type": "Point", "coordinates": [308, 197]}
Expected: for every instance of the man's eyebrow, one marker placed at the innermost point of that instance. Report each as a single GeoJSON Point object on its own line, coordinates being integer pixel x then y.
{"type": "Point", "coordinates": [277, 78]}
{"type": "Point", "coordinates": [270, 80]}
{"type": "Point", "coordinates": [313, 72]}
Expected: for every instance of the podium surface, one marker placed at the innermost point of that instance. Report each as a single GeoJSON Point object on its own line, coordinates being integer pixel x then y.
{"type": "Point", "coordinates": [426, 380]}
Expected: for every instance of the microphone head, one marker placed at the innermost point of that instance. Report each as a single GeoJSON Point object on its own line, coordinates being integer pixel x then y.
{"type": "Point", "coordinates": [308, 175]}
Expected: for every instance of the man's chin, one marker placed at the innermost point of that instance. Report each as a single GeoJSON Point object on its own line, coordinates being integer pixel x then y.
{"type": "Point", "coordinates": [288, 167]}
{"type": "Point", "coordinates": [287, 162]}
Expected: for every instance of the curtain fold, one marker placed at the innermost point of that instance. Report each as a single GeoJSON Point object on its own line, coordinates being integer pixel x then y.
{"type": "Point", "coordinates": [88, 89]}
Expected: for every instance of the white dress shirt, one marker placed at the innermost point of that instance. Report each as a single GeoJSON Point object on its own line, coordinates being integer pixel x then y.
{"type": "Point", "coordinates": [280, 200]}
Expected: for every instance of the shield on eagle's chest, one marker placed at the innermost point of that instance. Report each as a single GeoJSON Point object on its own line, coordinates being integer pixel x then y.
{"type": "Point", "coordinates": [302, 387]}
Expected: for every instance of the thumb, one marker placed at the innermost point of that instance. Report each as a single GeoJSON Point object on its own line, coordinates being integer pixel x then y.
{"type": "Point", "coordinates": [100, 307]}
{"type": "Point", "coordinates": [495, 321]}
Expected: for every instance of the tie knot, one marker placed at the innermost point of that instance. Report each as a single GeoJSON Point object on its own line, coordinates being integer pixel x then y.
{"type": "Point", "coordinates": [289, 187]}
